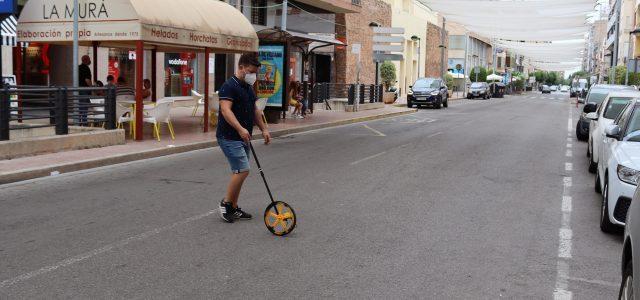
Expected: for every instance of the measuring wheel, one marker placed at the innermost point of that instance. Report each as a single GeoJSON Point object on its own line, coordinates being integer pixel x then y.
{"type": "Point", "coordinates": [279, 218]}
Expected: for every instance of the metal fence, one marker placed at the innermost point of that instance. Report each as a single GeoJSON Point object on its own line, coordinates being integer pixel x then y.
{"type": "Point", "coordinates": [58, 107]}
{"type": "Point", "coordinates": [321, 93]}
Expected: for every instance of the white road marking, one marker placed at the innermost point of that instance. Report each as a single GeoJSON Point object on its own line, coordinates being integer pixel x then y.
{"type": "Point", "coordinates": [569, 145]}
{"type": "Point", "coordinates": [569, 140]}
{"type": "Point", "coordinates": [434, 135]}
{"type": "Point", "coordinates": [564, 249]}
{"type": "Point", "coordinates": [566, 204]}
{"type": "Point", "coordinates": [568, 167]}
{"type": "Point", "coordinates": [79, 258]}
{"type": "Point", "coordinates": [375, 131]}
{"type": "Point", "coordinates": [569, 153]}
{"type": "Point", "coordinates": [562, 286]}
{"type": "Point", "coordinates": [598, 282]}
{"type": "Point", "coordinates": [570, 125]}
{"type": "Point", "coordinates": [368, 158]}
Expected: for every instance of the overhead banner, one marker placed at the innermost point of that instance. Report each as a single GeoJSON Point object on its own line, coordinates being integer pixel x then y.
{"type": "Point", "coordinates": [270, 82]}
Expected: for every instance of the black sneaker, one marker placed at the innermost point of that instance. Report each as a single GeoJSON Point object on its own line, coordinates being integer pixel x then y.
{"type": "Point", "coordinates": [241, 215]}
{"type": "Point", "coordinates": [226, 211]}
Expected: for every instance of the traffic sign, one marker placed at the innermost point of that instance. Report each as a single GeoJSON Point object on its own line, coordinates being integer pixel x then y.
{"type": "Point", "coordinates": [388, 48]}
{"type": "Point", "coordinates": [388, 30]}
{"type": "Point", "coordinates": [7, 6]}
{"type": "Point", "coordinates": [387, 39]}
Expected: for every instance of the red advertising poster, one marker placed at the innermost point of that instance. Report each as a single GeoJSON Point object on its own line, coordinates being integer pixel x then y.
{"type": "Point", "coordinates": [114, 67]}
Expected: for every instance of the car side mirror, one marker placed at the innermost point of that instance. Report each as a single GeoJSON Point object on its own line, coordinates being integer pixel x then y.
{"type": "Point", "coordinates": [612, 131]}
{"type": "Point", "coordinates": [589, 108]}
{"type": "Point", "coordinates": [592, 116]}
{"type": "Point", "coordinates": [411, 86]}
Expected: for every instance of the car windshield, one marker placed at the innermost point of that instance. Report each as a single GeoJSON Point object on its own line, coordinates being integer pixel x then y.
{"type": "Point", "coordinates": [597, 96]}
{"type": "Point", "coordinates": [633, 130]}
{"type": "Point", "coordinates": [615, 106]}
{"type": "Point", "coordinates": [477, 85]}
{"type": "Point", "coordinates": [427, 83]}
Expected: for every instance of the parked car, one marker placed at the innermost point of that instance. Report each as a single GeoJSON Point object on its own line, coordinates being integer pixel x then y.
{"type": "Point", "coordinates": [554, 88]}
{"type": "Point", "coordinates": [479, 89]}
{"type": "Point", "coordinates": [619, 167]}
{"type": "Point", "coordinates": [631, 251]}
{"type": "Point", "coordinates": [604, 116]}
{"type": "Point", "coordinates": [579, 88]}
{"type": "Point", "coordinates": [596, 95]}
{"type": "Point", "coordinates": [428, 91]}
{"type": "Point", "coordinates": [564, 89]}
{"type": "Point", "coordinates": [546, 89]}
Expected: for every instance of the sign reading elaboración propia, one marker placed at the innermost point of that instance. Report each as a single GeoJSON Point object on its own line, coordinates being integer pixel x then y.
{"type": "Point", "coordinates": [112, 20]}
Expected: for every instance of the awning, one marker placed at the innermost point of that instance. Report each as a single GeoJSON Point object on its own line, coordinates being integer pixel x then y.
{"type": "Point", "coordinates": [296, 37]}
{"type": "Point", "coordinates": [193, 23]}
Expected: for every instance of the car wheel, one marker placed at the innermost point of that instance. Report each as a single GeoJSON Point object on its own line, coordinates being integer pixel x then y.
{"type": "Point", "coordinates": [409, 104]}
{"type": "Point", "coordinates": [581, 136]}
{"type": "Point", "coordinates": [596, 186]}
{"type": "Point", "coordinates": [446, 103]}
{"type": "Point", "coordinates": [605, 223]}
{"type": "Point", "coordinates": [438, 105]}
{"type": "Point", "coordinates": [626, 288]}
{"type": "Point", "coordinates": [593, 166]}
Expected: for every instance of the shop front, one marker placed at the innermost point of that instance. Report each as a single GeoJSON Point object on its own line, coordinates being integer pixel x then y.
{"type": "Point", "coordinates": [136, 40]}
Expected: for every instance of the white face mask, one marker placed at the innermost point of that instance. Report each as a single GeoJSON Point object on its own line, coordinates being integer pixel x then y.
{"type": "Point", "coordinates": [250, 78]}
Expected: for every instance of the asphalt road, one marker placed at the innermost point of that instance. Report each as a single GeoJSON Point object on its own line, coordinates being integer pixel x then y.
{"type": "Point", "coordinates": [468, 202]}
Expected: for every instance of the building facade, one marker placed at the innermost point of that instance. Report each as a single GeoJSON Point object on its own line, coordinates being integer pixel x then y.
{"type": "Point", "coordinates": [358, 29]}
{"type": "Point", "coordinates": [437, 55]}
{"type": "Point", "coordinates": [413, 17]}
{"type": "Point", "coordinates": [467, 50]}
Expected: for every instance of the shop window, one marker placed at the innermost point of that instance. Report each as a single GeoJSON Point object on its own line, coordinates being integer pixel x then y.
{"type": "Point", "coordinates": [179, 73]}
{"type": "Point", "coordinates": [122, 64]}
{"type": "Point", "coordinates": [259, 12]}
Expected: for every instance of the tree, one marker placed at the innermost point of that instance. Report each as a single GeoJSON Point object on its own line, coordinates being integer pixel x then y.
{"type": "Point", "coordinates": [449, 81]}
{"type": "Point", "coordinates": [482, 75]}
{"type": "Point", "coordinates": [388, 74]}
{"type": "Point", "coordinates": [620, 74]}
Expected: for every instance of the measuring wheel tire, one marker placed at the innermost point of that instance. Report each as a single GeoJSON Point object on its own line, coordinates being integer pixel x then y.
{"type": "Point", "coordinates": [280, 218]}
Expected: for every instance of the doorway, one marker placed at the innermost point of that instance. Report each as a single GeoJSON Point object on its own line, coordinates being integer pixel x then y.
{"type": "Point", "coordinates": [323, 68]}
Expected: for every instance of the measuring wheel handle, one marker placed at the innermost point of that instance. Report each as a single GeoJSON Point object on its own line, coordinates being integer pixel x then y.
{"type": "Point", "coordinates": [280, 218]}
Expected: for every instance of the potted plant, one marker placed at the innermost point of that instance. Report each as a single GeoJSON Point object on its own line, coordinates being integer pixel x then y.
{"type": "Point", "coordinates": [388, 75]}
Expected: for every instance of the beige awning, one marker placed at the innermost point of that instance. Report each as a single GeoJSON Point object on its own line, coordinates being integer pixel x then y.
{"type": "Point", "coordinates": [193, 24]}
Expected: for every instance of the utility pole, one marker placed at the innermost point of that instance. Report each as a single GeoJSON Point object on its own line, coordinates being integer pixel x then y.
{"type": "Point", "coordinates": [74, 65]}
{"type": "Point", "coordinates": [285, 9]}
{"type": "Point", "coordinates": [466, 50]}
{"type": "Point", "coordinates": [444, 46]}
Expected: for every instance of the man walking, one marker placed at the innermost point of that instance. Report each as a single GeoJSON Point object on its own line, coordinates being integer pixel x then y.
{"type": "Point", "coordinates": [238, 114]}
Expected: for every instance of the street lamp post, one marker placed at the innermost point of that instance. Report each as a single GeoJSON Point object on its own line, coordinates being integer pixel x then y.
{"type": "Point", "coordinates": [417, 39]}
{"type": "Point", "coordinates": [475, 64]}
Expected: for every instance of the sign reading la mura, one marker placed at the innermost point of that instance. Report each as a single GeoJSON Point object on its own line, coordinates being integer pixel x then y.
{"type": "Point", "coordinates": [86, 10]}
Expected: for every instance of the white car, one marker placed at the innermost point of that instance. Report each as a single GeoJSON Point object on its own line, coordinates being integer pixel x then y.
{"type": "Point", "coordinates": [607, 112]}
{"type": "Point", "coordinates": [631, 251]}
{"type": "Point", "coordinates": [564, 88]}
{"type": "Point", "coordinates": [554, 88]}
{"type": "Point", "coordinates": [619, 167]}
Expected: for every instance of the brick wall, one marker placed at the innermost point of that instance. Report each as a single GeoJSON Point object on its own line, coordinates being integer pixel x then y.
{"type": "Point", "coordinates": [358, 31]}
{"type": "Point", "coordinates": [433, 62]}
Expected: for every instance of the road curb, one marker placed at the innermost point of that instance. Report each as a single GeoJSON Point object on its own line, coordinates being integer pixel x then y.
{"type": "Point", "coordinates": [33, 173]}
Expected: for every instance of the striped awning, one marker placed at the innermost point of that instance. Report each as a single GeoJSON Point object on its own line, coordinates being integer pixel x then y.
{"type": "Point", "coordinates": [8, 30]}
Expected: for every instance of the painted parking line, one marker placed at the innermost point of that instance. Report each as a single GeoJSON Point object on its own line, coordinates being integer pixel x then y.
{"type": "Point", "coordinates": [368, 158]}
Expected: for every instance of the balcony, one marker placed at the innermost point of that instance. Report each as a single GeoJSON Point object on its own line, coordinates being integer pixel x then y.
{"type": "Point", "coordinates": [335, 6]}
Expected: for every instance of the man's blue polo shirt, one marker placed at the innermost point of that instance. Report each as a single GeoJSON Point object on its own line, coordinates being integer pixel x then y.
{"type": "Point", "coordinates": [243, 107]}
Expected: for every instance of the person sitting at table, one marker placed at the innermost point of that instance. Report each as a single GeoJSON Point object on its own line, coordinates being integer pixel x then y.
{"type": "Point", "coordinates": [100, 93]}
{"type": "Point", "coordinates": [111, 81]}
{"type": "Point", "coordinates": [146, 91]}
{"type": "Point", "coordinates": [122, 89]}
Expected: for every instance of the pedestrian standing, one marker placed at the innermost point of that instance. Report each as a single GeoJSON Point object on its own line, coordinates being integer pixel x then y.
{"type": "Point", "coordinates": [84, 76]}
{"type": "Point", "coordinates": [236, 119]}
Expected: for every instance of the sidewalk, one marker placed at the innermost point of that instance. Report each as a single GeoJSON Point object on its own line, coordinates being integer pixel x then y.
{"type": "Point", "coordinates": [189, 137]}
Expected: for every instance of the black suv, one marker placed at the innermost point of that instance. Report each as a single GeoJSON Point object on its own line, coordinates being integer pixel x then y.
{"type": "Point", "coordinates": [479, 89]}
{"type": "Point", "coordinates": [428, 91]}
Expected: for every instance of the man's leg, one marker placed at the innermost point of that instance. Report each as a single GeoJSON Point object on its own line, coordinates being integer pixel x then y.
{"type": "Point", "coordinates": [234, 187]}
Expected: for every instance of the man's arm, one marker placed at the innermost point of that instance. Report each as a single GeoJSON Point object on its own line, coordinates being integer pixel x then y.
{"type": "Point", "coordinates": [263, 127]}
{"type": "Point", "coordinates": [227, 113]}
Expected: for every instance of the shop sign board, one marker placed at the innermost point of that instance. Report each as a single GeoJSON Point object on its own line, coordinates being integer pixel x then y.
{"type": "Point", "coordinates": [7, 6]}
{"type": "Point", "coordinates": [271, 78]}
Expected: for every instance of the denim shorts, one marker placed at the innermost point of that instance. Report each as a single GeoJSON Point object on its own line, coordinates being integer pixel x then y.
{"type": "Point", "coordinates": [237, 153]}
